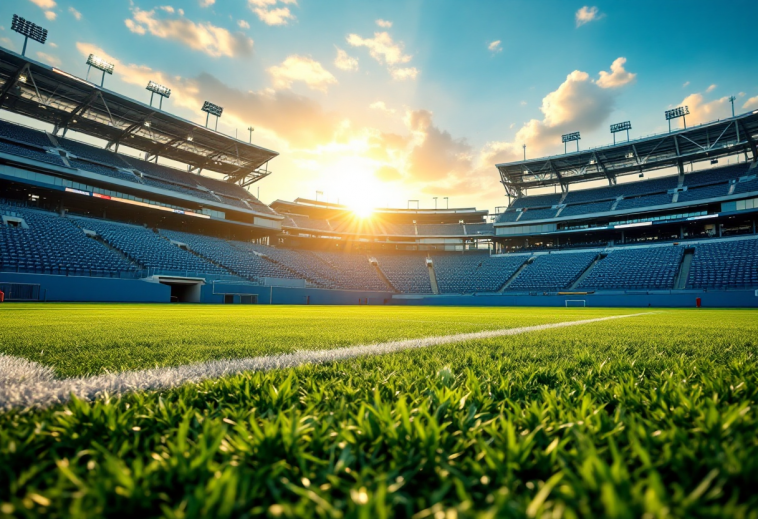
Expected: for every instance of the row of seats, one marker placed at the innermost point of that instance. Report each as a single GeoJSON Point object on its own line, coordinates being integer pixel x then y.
{"type": "Point", "coordinates": [474, 272]}
{"type": "Point", "coordinates": [730, 264]}
{"type": "Point", "coordinates": [407, 273]}
{"type": "Point", "coordinates": [45, 243]}
{"type": "Point", "coordinates": [32, 144]}
{"type": "Point", "coordinates": [650, 268]}
{"type": "Point", "coordinates": [553, 271]}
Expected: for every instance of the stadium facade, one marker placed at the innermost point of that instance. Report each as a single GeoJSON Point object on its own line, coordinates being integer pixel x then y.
{"type": "Point", "coordinates": [161, 213]}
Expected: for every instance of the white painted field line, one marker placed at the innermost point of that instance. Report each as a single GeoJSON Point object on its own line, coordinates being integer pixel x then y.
{"type": "Point", "coordinates": [25, 384]}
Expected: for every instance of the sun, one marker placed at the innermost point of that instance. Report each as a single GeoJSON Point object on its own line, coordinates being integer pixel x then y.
{"type": "Point", "coordinates": [362, 210]}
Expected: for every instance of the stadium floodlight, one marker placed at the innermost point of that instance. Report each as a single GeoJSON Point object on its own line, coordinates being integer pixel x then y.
{"type": "Point", "coordinates": [675, 113]}
{"type": "Point", "coordinates": [251, 130]}
{"type": "Point", "coordinates": [211, 109]}
{"type": "Point", "coordinates": [28, 30]}
{"type": "Point", "coordinates": [161, 90]}
{"type": "Point", "coordinates": [568, 137]}
{"type": "Point", "coordinates": [447, 206]}
{"type": "Point", "coordinates": [620, 127]}
{"type": "Point", "coordinates": [732, 99]}
{"type": "Point", "coordinates": [100, 64]}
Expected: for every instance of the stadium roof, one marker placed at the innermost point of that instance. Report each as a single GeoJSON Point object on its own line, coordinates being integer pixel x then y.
{"type": "Point", "coordinates": [707, 141]}
{"type": "Point", "coordinates": [70, 103]}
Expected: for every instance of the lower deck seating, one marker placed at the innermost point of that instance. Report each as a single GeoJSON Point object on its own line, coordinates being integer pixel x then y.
{"type": "Point", "coordinates": [474, 272]}
{"type": "Point", "coordinates": [702, 193]}
{"type": "Point", "coordinates": [300, 264]}
{"type": "Point", "coordinates": [30, 152]}
{"type": "Point", "coordinates": [354, 271]}
{"type": "Point", "coordinates": [148, 248]}
{"type": "Point", "coordinates": [649, 267]}
{"type": "Point", "coordinates": [52, 244]}
{"type": "Point", "coordinates": [408, 273]}
{"type": "Point", "coordinates": [728, 264]}
{"type": "Point", "coordinates": [553, 271]}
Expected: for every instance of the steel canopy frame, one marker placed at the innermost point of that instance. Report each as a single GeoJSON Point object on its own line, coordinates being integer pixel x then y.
{"type": "Point", "coordinates": [708, 141]}
{"type": "Point", "coordinates": [67, 102]}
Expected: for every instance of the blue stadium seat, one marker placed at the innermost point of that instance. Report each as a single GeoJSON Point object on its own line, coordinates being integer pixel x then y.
{"type": "Point", "coordinates": [553, 271]}
{"type": "Point", "coordinates": [647, 267]}
{"type": "Point", "coordinates": [725, 264]}
{"type": "Point", "coordinates": [474, 272]}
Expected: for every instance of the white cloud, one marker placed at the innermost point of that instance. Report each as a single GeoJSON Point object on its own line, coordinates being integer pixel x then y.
{"type": "Point", "coordinates": [44, 4]}
{"type": "Point", "coordinates": [384, 23]}
{"type": "Point", "coordinates": [586, 15]}
{"type": "Point", "coordinates": [242, 24]}
{"type": "Point", "coordinates": [382, 48]}
{"type": "Point", "coordinates": [685, 84]}
{"type": "Point", "coordinates": [702, 111]}
{"type": "Point", "coordinates": [751, 103]}
{"type": "Point", "coordinates": [50, 60]}
{"type": "Point", "coordinates": [76, 14]}
{"type": "Point", "coordinates": [617, 77]}
{"type": "Point", "coordinates": [204, 36]}
{"type": "Point", "coordinates": [387, 52]}
{"type": "Point", "coordinates": [382, 107]}
{"type": "Point", "coordinates": [51, 15]}
{"type": "Point", "coordinates": [495, 46]}
{"type": "Point", "coordinates": [7, 43]}
{"type": "Point", "coordinates": [523, 103]}
{"type": "Point", "coordinates": [207, 3]}
{"type": "Point", "coordinates": [53, 44]}
{"type": "Point", "coordinates": [301, 68]}
{"type": "Point", "coordinates": [710, 88]}
{"type": "Point", "coordinates": [270, 13]}
{"type": "Point", "coordinates": [401, 74]}
{"type": "Point", "coordinates": [436, 154]}
{"type": "Point", "coordinates": [343, 61]}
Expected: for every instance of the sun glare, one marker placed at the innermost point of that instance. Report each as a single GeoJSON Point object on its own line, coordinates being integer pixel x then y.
{"type": "Point", "coordinates": [363, 210]}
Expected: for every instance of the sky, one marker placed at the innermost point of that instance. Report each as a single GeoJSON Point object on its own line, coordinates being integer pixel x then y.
{"type": "Point", "coordinates": [374, 103]}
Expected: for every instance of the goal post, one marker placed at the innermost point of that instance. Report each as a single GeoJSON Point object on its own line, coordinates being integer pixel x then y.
{"type": "Point", "coordinates": [576, 302]}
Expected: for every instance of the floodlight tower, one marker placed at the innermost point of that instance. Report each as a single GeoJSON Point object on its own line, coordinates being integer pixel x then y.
{"type": "Point", "coordinates": [570, 137]}
{"type": "Point", "coordinates": [447, 200]}
{"type": "Point", "coordinates": [732, 99]}
{"type": "Point", "coordinates": [675, 113]}
{"type": "Point", "coordinates": [620, 127]}
{"type": "Point", "coordinates": [211, 109]}
{"type": "Point", "coordinates": [251, 130]}
{"type": "Point", "coordinates": [100, 64]}
{"type": "Point", "coordinates": [28, 30]}
{"type": "Point", "coordinates": [524, 146]}
{"type": "Point", "coordinates": [161, 90]}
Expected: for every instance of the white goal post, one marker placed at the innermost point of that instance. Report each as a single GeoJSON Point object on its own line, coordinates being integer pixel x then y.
{"type": "Point", "coordinates": [576, 302]}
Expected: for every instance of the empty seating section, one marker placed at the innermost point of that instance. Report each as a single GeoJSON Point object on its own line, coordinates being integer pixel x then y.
{"type": "Point", "coordinates": [89, 152]}
{"type": "Point", "coordinates": [746, 187]}
{"type": "Point", "coordinates": [233, 201]}
{"type": "Point", "coordinates": [54, 245]}
{"type": "Point", "coordinates": [148, 248]}
{"type": "Point", "coordinates": [354, 271]}
{"type": "Point", "coordinates": [538, 214]}
{"type": "Point", "coordinates": [469, 273]}
{"type": "Point", "coordinates": [181, 189]}
{"type": "Point", "coordinates": [712, 176]}
{"type": "Point", "coordinates": [300, 264]}
{"type": "Point", "coordinates": [407, 273]}
{"type": "Point", "coordinates": [627, 189]}
{"type": "Point", "coordinates": [701, 193]}
{"type": "Point", "coordinates": [103, 170]}
{"type": "Point", "coordinates": [24, 134]}
{"type": "Point", "coordinates": [730, 264]}
{"type": "Point", "coordinates": [553, 271]}
{"type": "Point", "coordinates": [536, 201]}
{"type": "Point", "coordinates": [644, 201]}
{"type": "Point", "coordinates": [247, 265]}
{"type": "Point", "coordinates": [440, 230]}
{"type": "Point", "coordinates": [400, 229]}
{"type": "Point", "coordinates": [653, 268]}
{"type": "Point", "coordinates": [310, 223]}
{"type": "Point", "coordinates": [595, 207]}
{"type": "Point", "coordinates": [472, 229]}
{"type": "Point", "coordinates": [31, 153]}
{"type": "Point", "coordinates": [159, 171]}
{"type": "Point", "coordinates": [508, 216]}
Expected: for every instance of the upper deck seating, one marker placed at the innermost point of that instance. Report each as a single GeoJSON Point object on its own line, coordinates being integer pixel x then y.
{"type": "Point", "coordinates": [440, 229]}
{"type": "Point", "coordinates": [716, 175]}
{"type": "Point", "coordinates": [31, 152]}
{"type": "Point", "coordinates": [704, 192]}
{"type": "Point", "coordinates": [538, 214]}
{"type": "Point", "coordinates": [473, 229]}
{"type": "Point", "coordinates": [644, 201]}
{"type": "Point", "coordinates": [593, 207]}
{"type": "Point", "coordinates": [93, 153]}
{"type": "Point", "coordinates": [19, 133]}
{"type": "Point", "coordinates": [536, 201]}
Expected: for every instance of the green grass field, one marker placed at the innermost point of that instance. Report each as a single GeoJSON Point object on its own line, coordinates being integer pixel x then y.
{"type": "Point", "coordinates": [648, 416]}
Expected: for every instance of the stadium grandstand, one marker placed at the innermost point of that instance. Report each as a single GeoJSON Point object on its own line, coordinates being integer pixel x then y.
{"type": "Point", "coordinates": [160, 211]}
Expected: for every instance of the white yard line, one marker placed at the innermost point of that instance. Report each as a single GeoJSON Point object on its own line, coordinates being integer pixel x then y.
{"type": "Point", "coordinates": [25, 384]}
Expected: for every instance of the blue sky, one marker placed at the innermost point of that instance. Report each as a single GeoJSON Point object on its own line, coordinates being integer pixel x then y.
{"type": "Point", "coordinates": [375, 103]}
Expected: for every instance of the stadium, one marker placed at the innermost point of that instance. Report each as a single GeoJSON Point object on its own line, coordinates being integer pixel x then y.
{"type": "Point", "coordinates": [175, 347]}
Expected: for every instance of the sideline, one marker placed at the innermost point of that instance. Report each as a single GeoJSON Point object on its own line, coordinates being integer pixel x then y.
{"type": "Point", "coordinates": [27, 384]}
